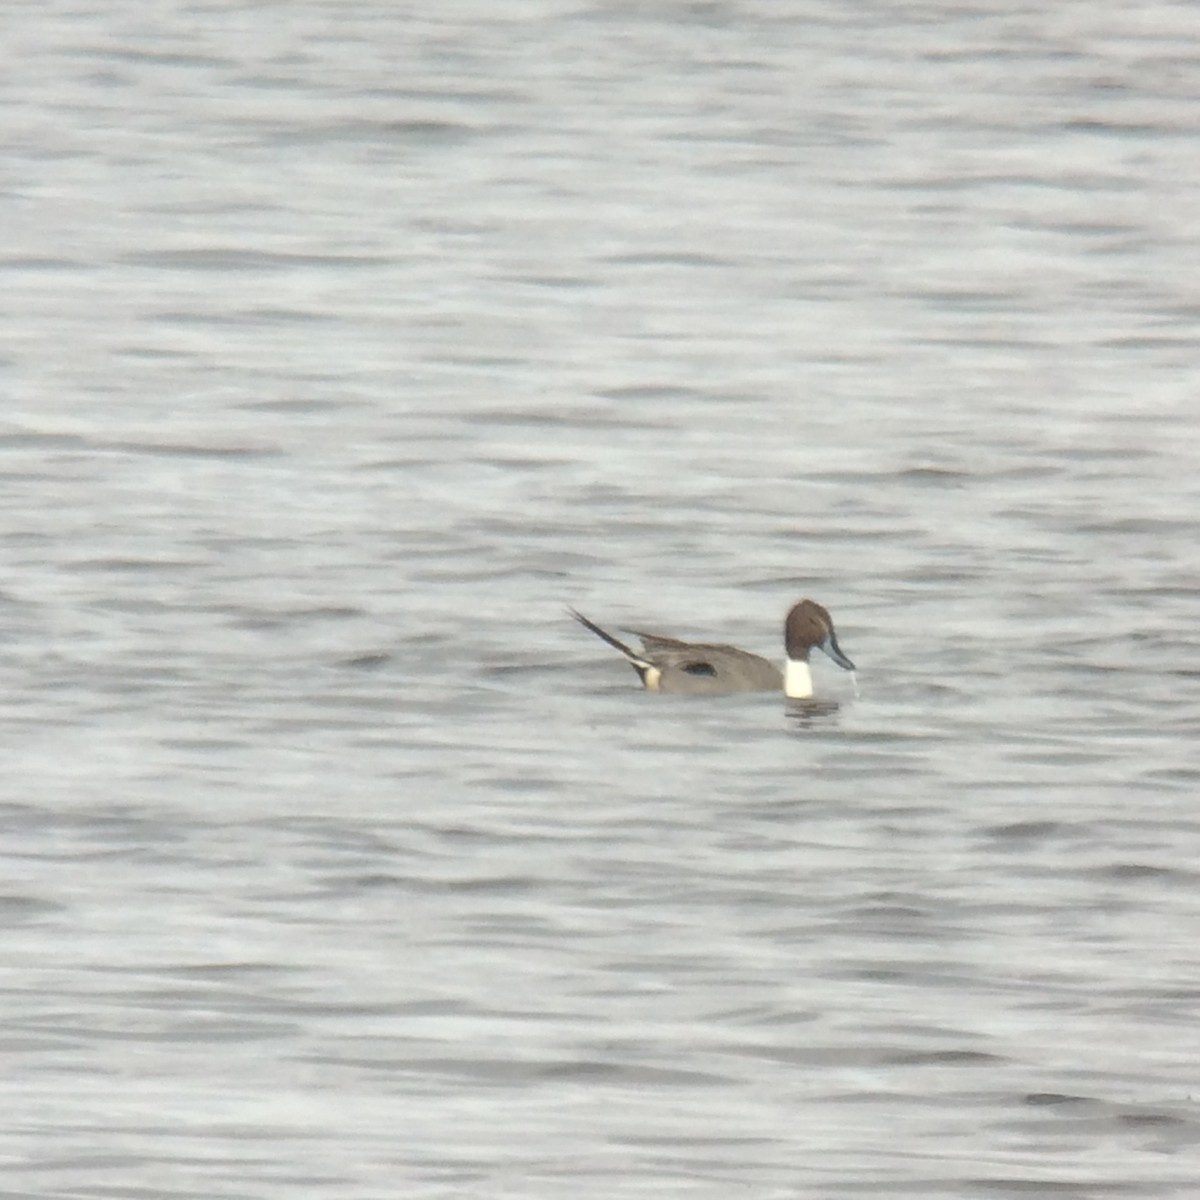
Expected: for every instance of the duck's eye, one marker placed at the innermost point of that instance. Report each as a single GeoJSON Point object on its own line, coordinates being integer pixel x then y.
{"type": "Point", "coordinates": [699, 668]}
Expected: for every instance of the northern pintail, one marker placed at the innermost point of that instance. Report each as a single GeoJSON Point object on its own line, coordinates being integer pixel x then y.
{"type": "Point", "coordinates": [700, 669]}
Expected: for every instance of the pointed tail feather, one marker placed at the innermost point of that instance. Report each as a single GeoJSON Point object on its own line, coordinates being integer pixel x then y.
{"type": "Point", "coordinates": [648, 673]}
{"type": "Point", "coordinates": [632, 655]}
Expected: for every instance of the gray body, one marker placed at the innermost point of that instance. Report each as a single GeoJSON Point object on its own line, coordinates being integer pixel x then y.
{"type": "Point", "coordinates": [693, 668]}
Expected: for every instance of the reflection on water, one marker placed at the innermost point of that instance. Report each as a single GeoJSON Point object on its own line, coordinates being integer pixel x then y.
{"type": "Point", "coordinates": [806, 712]}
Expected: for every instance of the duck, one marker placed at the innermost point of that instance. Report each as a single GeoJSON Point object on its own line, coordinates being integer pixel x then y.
{"type": "Point", "coordinates": [666, 664]}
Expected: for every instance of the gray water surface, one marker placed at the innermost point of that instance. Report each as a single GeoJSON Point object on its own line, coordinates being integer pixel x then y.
{"type": "Point", "coordinates": [345, 346]}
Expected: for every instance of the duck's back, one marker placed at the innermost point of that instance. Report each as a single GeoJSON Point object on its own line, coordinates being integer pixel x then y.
{"type": "Point", "coordinates": [700, 669]}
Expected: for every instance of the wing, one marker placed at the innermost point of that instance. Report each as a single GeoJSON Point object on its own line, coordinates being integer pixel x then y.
{"type": "Point", "coordinates": [657, 641]}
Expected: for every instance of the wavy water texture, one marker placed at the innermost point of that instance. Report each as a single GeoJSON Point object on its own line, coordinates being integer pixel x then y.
{"type": "Point", "coordinates": [345, 346]}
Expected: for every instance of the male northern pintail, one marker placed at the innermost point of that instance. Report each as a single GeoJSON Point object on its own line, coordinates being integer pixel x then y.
{"type": "Point", "coordinates": [700, 669]}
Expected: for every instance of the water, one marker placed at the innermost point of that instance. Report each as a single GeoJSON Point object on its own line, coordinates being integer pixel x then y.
{"type": "Point", "coordinates": [345, 347]}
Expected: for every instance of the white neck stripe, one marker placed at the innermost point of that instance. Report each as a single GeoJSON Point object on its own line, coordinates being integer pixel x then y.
{"type": "Point", "coordinates": [797, 680]}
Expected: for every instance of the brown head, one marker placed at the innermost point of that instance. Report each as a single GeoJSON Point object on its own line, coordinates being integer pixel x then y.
{"type": "Point", "coordinates": [809, 625]}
